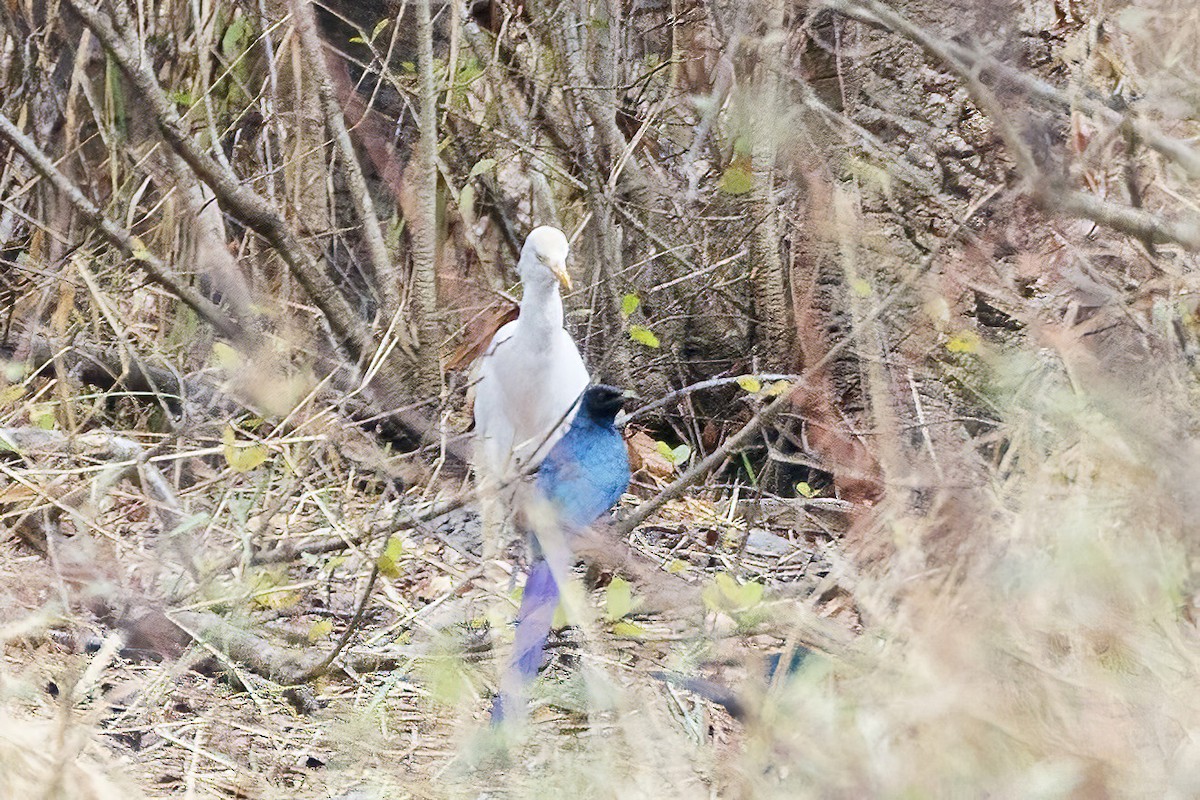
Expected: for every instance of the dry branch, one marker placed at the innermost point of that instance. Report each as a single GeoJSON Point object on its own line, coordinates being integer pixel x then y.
{"type": "Point", "coordinates": [1050, 194]}
{"type": "Point", "coordinates": [387, 278]}
{"type": "Point", "coordinates": [424, 225]}
{"type": "Point", "coordinates": [255, 211]}
{"type": "Point", "coordinates": [120, 238]}
{"type": "Point", "coordinates": [129, 460]}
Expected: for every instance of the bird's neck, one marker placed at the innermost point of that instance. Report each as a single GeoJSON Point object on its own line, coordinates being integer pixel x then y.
{"type": "Point", "coordinates": [541, 307]}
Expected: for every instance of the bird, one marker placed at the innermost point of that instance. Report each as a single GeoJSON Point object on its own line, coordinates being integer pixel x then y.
{"type": "Point", "coordinates": [528, 379]}
{"type": "Point", "coordinates": [582, 478]}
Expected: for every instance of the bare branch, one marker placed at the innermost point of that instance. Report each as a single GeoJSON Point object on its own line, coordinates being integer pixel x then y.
{"type": "Point", "coordinates": [120, 238]}
{"type": "Point", "coordinates": [387, 278]}
{"type": "Point", "coordinates": [250, 207]}
{"type": "Point", "coordinates": [424, 228]}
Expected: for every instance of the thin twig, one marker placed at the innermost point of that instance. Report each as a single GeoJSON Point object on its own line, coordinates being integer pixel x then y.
{"type": "Point", "coordinates": [154, 267]}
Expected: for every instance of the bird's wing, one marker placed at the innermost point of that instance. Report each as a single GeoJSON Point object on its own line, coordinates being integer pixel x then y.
{"type": "Point", "coordinates": [585, 474]}
{"type": "Point", "coordinates": [533, 387]}
{"type": "Point", "coordinates": [494, 430]}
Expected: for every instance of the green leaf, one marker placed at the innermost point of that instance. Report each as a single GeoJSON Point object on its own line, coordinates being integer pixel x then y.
{"type": "Point", "coordinates": [379, 27]}
{"type": "Point", "coordinates": [481, 166]}
{"type": "Point", "coordinates": [804, 490]}
{"type": "Point", "coordinates": [643, 336]}
{"type": "Point", "coordinates": [726, 594]}
{"type": "Point", "coordinates": [42, 415]}
{"type": "Point", "coordinates": [749, 469]}
{"type": "Point", "coordinates": [860, 287]}
{"type": "Point", "coordinates": [630, 630]}
{"type": "Point", "coordinates": [747, 594]}
{"type": "Point", "coordinates": [736, 180]}
{"type": "Point", "coordinates": [389, 560]}
{"type": "Point", "coordinates": [320, 629]}
{"type": "Point", "coordinates": [964, 342]}
{"type": "Point", "coordinates": [629, 304]}
{"type": "Point", "coordinates": [750, 383]}
{"type": "Point", "coordinates": [446, 678]}
{"type": "Point", "coordinates": [138, 249]}
{"type": "Point", "coordinates": [676, 455]}
{"type": "Point", "coordinates": [619, 599]}
{"type": "Point", "coordinates": [242, 458]}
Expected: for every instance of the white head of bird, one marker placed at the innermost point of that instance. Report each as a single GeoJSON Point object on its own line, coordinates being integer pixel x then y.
{"type": "Point", "coordinates": [544, 259]}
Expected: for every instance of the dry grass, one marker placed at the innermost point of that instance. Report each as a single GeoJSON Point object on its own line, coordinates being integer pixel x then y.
{"type": "Point", "coordinates": [1015, 618]}
{"type": "Point", "coordinates": [1052, 656]}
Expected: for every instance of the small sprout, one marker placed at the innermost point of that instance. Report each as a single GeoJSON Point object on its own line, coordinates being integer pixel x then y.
{"type": "Point", "coordinates": [629, 630]}
{"type": "Point", "coordinates": [676, 455]}
{"type": "Point", "coordinates": [726, 594]}
{"type": "Point", "coordinates": [804, 490]}
{"type": "Point", "coordinates": [42, 416]}
{"type": "Point", "coordinates": [481, 166]}
{"type": "Point", "coordinates": [619, 600]}
{"type": "Point", "coordinates": [265, 591]}
{"type": "Point", "coordinates": [860, 287]}
{"type": "Point", "coordinates": [139, 250]}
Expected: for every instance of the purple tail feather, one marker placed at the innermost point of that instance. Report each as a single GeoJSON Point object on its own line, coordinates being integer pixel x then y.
{"type": "Point", "coordinates": [534, 620]}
